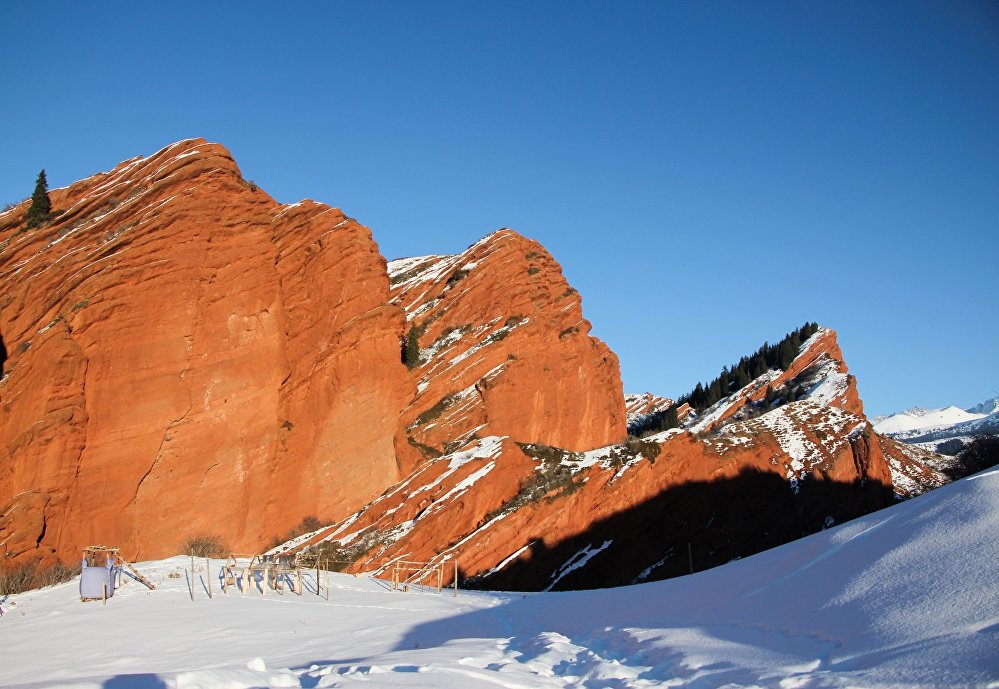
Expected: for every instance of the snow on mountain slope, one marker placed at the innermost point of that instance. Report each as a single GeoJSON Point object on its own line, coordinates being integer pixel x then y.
{"type": "Point", "coordinates": [818, 369]}
{"type": "Point", "coordinates": [645, 403]}
{"type": "Point", "coordinates": [945, 430]}
{"type": "Point", "coordinates": [903, 597]}
{"type": "Point", "coordinates": [919, 419]}
{"type": "Point", "coordinates": [640, 406]}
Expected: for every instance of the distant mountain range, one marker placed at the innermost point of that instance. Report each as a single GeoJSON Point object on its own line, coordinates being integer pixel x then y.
{"type": "Point", "coordinates": [945, 430]}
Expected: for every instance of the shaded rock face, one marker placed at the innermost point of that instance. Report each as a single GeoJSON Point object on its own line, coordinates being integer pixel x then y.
{"type": "Point", "coordinates": [186, 355]}
{"type": "Point", "coordinates": [504, 350]}
{"type": "Point", "coordinates": [527, 517]}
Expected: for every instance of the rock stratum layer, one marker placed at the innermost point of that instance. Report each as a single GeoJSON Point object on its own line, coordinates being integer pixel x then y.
{"type": "Point", "coordinates": [183, 355]}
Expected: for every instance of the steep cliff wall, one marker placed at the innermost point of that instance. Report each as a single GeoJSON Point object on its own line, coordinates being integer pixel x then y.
{"type": "Point", "coordinates": [187, 355]}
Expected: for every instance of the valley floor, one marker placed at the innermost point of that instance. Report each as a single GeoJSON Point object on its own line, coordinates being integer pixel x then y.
{"type": "Point", "coordinates": [905, 597]}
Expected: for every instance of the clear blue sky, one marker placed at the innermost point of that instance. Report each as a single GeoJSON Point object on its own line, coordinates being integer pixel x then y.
{"type": "Point", "coordinates": [709, 175]}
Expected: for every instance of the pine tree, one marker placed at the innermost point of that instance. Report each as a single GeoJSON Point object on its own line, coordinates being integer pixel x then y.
{"type": "Point", "coordinates": [41, 207]}
{"type": "Point", "coordinates": [697, 397]}
{"type": "Point", "coordinates": [411, 349]}
{"type": "Point", "coordinates": [670, 419]}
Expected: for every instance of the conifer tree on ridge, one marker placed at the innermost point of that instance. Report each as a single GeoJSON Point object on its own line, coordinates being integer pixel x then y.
{"type": "Point", "coordinates": [41, 206]}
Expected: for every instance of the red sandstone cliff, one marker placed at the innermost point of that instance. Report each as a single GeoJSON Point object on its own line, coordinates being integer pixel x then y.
{"type": "Point", "coordinates": [503, 350]}
{"type": "Point", "coordinates": [187, 355]}
{"type": "Point", "coordinates": [184, 355]}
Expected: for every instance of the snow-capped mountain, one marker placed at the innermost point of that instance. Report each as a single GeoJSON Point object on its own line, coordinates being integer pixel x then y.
{"type": "Point", "coordinates": [945, 430]}
{"type": "Point", "coordinates": [919, 419]}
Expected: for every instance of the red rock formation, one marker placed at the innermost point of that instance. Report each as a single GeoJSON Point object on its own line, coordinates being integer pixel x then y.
{"type": "Point", "coordinates": [518, 516]}
{"type": "Point", "coordinates": [186, 355]}
{"type": "Point", "coordinates": [504, 350]}
{"type": "Point", "coordinates": [914, 470]}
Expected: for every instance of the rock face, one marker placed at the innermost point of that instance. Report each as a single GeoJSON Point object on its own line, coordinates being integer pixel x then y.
{"type": "Point", "coordinates": [529, 517]}
{"type": "Point", "coordinates": [186, 355]}
{"type": "Point", "coordinates": [182, 355]}
{"type": "Point", "coordinates": [504, 350]}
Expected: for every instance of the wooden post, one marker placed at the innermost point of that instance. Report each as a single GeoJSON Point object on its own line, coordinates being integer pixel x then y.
{"type": "Point", "coordinates": [208, 577]}
{"type": "Point", "coordinates": [318, 590]}
{"type": "Point", "coordinates": [267, 572]}
{"type": "Point", "coordinates": [104, 599]}
{"type": "Point", "coordinates": [192, 575]}
{"type": "Point", "coordinates": [456, 577]}
{"type": "Point", "coordinates": [690, 557]}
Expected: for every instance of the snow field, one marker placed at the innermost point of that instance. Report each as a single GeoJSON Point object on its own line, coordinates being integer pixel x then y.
{"type": "Point", "coordinates": [904, 597]}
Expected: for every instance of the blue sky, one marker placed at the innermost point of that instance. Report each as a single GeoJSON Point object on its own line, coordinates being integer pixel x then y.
{"type": "Point", "coordinates": [709, 175]}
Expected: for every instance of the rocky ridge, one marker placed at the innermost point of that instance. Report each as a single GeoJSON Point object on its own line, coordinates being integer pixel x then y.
{"type": "Point", "coordinates": [639, 407]}
{"type": "Point", "coordinates": [521, 516]}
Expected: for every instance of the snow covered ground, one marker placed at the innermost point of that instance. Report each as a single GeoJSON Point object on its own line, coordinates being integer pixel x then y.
{"type": "Point", "coordinates": [905, 597]}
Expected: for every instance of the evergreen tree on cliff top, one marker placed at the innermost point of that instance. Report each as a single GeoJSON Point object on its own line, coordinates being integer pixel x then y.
{"type": "Point", "coordinates": [41, 207]}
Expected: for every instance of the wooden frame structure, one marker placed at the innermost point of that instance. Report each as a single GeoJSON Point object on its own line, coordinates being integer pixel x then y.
{"type": "Point", "coordinates": [406, 573]}
{"type": "Point", "coordinates": [275, 571]}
